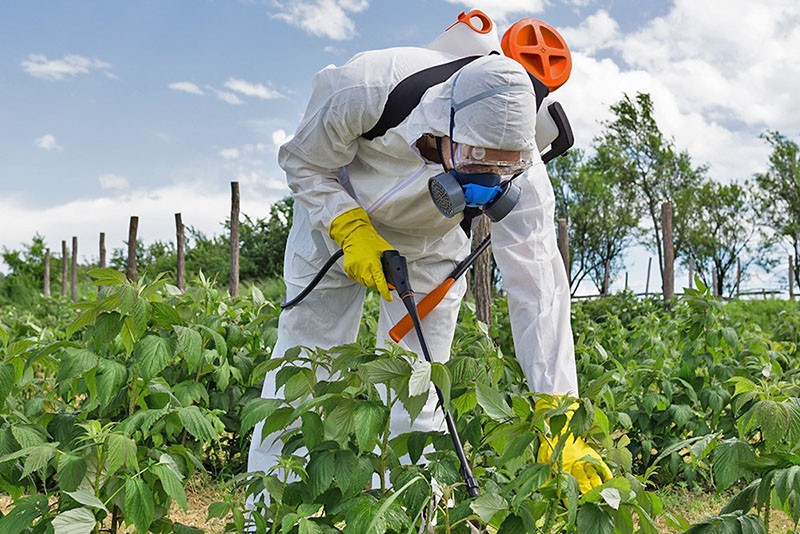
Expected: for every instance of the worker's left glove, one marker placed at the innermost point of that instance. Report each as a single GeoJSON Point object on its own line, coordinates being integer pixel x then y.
{"type": "Point", "coordinates": [589, 475]}
{"type": "Point", "coordinates": [363, 247]}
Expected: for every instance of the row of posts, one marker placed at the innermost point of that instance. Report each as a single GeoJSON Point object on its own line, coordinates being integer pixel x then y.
{"type": "Point", "coordinates": [131, 270]}
{"type": "Point", "coordinates": [233, 286]}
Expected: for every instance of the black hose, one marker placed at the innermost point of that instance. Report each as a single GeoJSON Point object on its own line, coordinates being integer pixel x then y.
{"type": "Point", "coordinates": [322, 272]}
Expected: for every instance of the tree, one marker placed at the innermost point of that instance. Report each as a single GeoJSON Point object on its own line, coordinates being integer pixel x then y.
{"type": "Point", "coordinates": [779, 196]}
{"type": "Point", "coordinates": [721, 231]}
{"type": "Point", "coordinates": [648, 163]}
{"type": "Point", "coordinates": [26, 272]}
{"type": "Point", "coordinates": [602, 215]}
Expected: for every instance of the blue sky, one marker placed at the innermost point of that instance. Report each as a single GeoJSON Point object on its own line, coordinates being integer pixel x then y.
{"type": "Point", "coordinates": [113, 109]}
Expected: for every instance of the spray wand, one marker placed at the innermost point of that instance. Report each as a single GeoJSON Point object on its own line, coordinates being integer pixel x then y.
{"type": "Point", "coordinates": [396, 272]}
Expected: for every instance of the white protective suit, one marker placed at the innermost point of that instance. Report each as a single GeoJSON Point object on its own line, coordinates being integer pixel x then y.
{"type": "Point", "coordinates": [331, 169]}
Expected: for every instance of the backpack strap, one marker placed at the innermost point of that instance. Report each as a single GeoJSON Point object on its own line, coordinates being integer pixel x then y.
{"type": "Point", "coordinates": [407, 94]}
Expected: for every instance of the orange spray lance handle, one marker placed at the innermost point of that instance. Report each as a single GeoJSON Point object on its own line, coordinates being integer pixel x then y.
{"type": "Point", "coordinates": [431, 300]}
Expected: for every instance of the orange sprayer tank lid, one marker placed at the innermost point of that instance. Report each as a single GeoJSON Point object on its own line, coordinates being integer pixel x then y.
{"type": "Point", "coordinates": [476, 20]}
{"type": "Point", "coordinates": [540, 49]}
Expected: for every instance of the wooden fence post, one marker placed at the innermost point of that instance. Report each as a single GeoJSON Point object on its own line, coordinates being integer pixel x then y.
{"type": "Point", "coordinates": [47, 272]}
{"type": "Point", "coordinates": [626, 280]}
{"type": "Point", "coordinates": [64, 259]}
{"type": "Point", "coordinates": [691, 273]}
{"type": "Point", "coordinates": [669, 251]}
{"type": "Point", "coordinates": [714, 282]}
{"type": "Point", "coordinates": [181, 266]}
{"type": "Point", "coordinates": [234, 279]}
{"type": "Point", "coordinates": [647, 283]}
{"type": "Point", "coordinates": [738, 276]}
{"type": "Point", "coordinates": [791, 278]}
{"type": "Point", "coordinates": [563, 245]}
{"type": "Point", "coordinates": [74, 270]}
{"type": "Point", "coordinates": [132, 273]}
{"type": "Point", "coordinates": [102, 263]}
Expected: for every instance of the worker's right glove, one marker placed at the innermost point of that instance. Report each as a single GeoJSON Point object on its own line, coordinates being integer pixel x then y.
{"type": "Point", "coordinates": [362, 246]}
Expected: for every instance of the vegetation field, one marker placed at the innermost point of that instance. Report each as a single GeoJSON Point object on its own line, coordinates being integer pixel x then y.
{"type": "Point", "coordinates": [113, 408]}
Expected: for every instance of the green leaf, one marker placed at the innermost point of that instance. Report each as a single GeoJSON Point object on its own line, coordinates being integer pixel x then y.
{"type": "Point", "coordinates": [120, 450]}
{"type": "Point", "coordinates": [180, 528]}
{"type": "Point", "coordinates": [735, 523]}
{"type": "Point", "coordinates": [75, 521]}
{"type": "Point", "coordinates": [197, 424]}
{"type": "Point", "coordinates": [139, 504]}
{"type": "Point", "coordinates": [680, 413]}
{"type": "Point", "coordinates": [594, 520]}
{"type": "Point", "coordinates": [171, 483]}
{"type": "Point", "coordinates": [441, 378]}
{"type": "Point", "coordinates": [24, 512]}
{"type": "Point", "coordinates": [729, 459]}
{"type": "Point", "coordinates": [7, 379]}
{"type": "Point", "coordinates": [152, 354]}
{"type": "Point", "coordinates": [419, 383]}
{"type": "Point", "coordinates": [87, 498]}
{"type": "Point", "coordinates": [370, 419]}
{"type": "Point", "coordinates": [107, 277]}
{"type": "Point", "coordinates": [258, 410]}
{"type": "Point", "coordinates": [492, 402]}
{"type": "Point", "coordinates": [71, 470]}
{"type": "Point", "coordinates": [76, 363]}
{"type": "Point", "coordinates": [110, 378]}
{"type": "Point", "coordinates": [487, 505]}
{"type": "Point", "coordinates": [320, 470]}
{"type": "Point", "coordinates": [190, 346]}
{"type": "Point", "coordinates": [38, 457]}
{"type": "Point", "coordinates": [386, 370]}
{"type": "Point", "coordinates": [513, 524]}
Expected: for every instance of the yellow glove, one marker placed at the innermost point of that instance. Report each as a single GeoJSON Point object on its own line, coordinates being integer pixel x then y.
{"type": "Point", "coordinates": [585, 473]}
{"type": "Point", "coordinates": [362, 246]}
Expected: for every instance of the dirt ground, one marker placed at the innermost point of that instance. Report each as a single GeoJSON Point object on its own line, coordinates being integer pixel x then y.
{"type": "Point", "coordinates": [693, 506]}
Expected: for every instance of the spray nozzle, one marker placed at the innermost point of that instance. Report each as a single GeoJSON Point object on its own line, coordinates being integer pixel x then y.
{"type": "Point", "coordinates": [395, 270]}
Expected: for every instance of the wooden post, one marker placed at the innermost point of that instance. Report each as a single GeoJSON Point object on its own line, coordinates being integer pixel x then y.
{"type": "Point", "coordinates": [669, 251]}
{"type": "Point", "coordinates": [714, 282]}
{"type": "Point", "coordinates": [64, 259]}
{"type": "Point", "coordinates": [791, 278]}
{"type": "Point", "coordinates": [482, 281]}
{"type": "Point", "coordinates": [626, 280]}
{"type": "Point", "coordinates": [47, 272]}
{"type": "Point", "coordinates": [738, 276]}
{"type": "Point", "coordinates": [647, 283]}
{"type": "Point", "coordinates": [691, 273]}
{"type": "Point", "coordinates": [132, 273]}
{"type": "Point", "coordinates": [234, 279]}
{"type": "Point", "coordinates": [181, 266]}
{"type": "Point", "coordinates": [74, 270]}
{"type": "Point", "coordinates": [563, 245]}
{"type": "Point", "coordinates": [102, 264]}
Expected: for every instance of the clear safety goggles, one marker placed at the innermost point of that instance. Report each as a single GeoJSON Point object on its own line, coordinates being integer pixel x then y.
{"type": "Point", "coordinates": [475, 159]}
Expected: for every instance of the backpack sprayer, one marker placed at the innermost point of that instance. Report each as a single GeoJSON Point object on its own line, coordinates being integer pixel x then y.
{"type": "Point", "coordinates": [544, 54]}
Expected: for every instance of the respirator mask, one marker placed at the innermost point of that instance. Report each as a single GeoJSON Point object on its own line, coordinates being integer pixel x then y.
{"type": "Point", "coordinates": [478, 177]}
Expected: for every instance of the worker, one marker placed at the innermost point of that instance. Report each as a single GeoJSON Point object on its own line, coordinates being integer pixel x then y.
{"type": "Point", "coordinates": [369, 194]}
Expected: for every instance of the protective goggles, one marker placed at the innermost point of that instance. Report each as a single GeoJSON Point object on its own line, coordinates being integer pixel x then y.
{"type": "Point", "coordinates": [479, 160]}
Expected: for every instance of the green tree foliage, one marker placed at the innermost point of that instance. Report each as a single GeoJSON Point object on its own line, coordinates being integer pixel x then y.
{"type": "Point", "coordinates": [647, 162]}
{"type": "Point", "coordinates": [721, 231]}
{"type": "Point", "coordinates": [601, 212]}
{"type": "Point", "coordinates": [779, 200]}
{"type": "Point", "coordinates": [26, 276]}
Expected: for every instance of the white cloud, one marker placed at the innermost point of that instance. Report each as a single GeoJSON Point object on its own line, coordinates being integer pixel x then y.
{"type": "Point", "coordinates": [280, 137]}
{"type": "Point", "coordinates": [323, 18]}
{"type": "Point", "coordinates": [230, 98]}
{"type": "Point", "coordinates": [113, 181]}
{"type": "Point", "coordinates": [500, 11]}
{"type": "Point", "coordinates": [597, 32]}
{"type": "Point", "coordinates": [256, 90]}
{"type": "Point", "coordinates": [186, 87]}
{"type": "Point", "coordinates": [38, 66]}
{"type": "Point", "coordinates": [229, 153]}
{"type": "Point", "coordinates": [47, 142]}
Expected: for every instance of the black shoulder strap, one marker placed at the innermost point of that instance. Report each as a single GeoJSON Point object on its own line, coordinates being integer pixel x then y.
{"type": "Point", "coordinates": [407, 94]}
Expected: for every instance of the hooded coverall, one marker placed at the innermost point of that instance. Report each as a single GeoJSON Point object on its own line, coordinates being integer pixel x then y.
{"type": "Point", "coordinates": [331, 169]}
